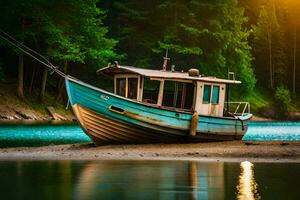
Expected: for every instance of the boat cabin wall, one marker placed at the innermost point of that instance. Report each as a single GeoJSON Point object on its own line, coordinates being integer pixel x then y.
{"type": "Point", "coordinates": [210, 98]}
{"type": "Point", "coordinates": [129, 86]}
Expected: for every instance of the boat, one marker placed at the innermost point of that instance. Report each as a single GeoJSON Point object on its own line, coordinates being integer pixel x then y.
{"type": "Point", "coordinates": [185, 107]}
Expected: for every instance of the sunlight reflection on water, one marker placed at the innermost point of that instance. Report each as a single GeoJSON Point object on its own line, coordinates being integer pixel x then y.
{"type": "Point", "coordinates": [247, 187]}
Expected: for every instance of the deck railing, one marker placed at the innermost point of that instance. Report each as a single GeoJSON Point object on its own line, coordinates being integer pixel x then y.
{"type": "Point", "coordinates": [238, 108]}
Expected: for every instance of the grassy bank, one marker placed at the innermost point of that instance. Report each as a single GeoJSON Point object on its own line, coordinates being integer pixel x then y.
{"type": "Point", "coordinates": [12, 107]}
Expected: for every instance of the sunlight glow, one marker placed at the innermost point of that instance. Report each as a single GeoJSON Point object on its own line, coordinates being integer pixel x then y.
{"type": "Point", "coordinates": [247, 188]}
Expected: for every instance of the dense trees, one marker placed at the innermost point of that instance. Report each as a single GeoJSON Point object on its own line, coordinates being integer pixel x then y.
{"type": "Point", "coordinates": [256, 39]}
{"type": "Point", "coordinates": [209, 35]}
{"type": "Point", "coordinates": [64, 31]}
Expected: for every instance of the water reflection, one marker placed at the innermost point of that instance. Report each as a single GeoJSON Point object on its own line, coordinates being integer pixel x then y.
{"type": "Point", "coordinates": [193, 175]}
{"type": "Point", "coordinates": [148, 180]}
{"type": "Point", "coordinates": [247, 187]}
{"type": "Point", "coordinates": [151, 180]}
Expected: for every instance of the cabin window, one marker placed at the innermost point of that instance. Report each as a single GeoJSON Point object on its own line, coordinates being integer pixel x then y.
{"type": "Point", "coordinates": [132, 88]}
{"type": "Point", "coordinates": [215, 94]}
{"type": "Point", "coordinates": [178, 95]}
{"type": "Point", "coordinates": [206, 94]}
{"type": "Point", "coordinates": [127, 86]}
{"type": "Point", "coordinates": [172, 94]}
{"type": "Point", "coordinates": [150, 92]}
{"type": "Point", "coordinates": [121, 87]}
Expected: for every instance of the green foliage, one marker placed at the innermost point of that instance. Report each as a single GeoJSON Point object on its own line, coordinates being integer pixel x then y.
{"type": "Point", "coordinates": [210, 34]}
{"type": "Point", "coordinates": [67, 30]}
{"type": "Point", "coordinates": [283, 99]}
{"type": "Point", "coordinates": [79, 37]}
{"type": "Point", "coordinates": [206, 34]}
{"type": "Point", "coordinates": [258, 100]}
{"type": "Point", "coordinates": [134, 24]}
{"type": "Point", "coordinates": [270, 45]}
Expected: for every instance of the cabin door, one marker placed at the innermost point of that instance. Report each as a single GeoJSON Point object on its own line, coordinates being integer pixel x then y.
{"type": "Point", "coordinates": [206, 106]}
{"type": "Point", "coordinates": [210, 99]}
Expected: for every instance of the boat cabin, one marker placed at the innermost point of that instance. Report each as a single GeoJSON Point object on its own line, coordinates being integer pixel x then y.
{"type": "Point", "coordinates": [184, 91]}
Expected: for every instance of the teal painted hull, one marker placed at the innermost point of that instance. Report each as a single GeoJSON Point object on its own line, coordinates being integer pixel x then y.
{"type": "Point", "coordinates": [94, 106]}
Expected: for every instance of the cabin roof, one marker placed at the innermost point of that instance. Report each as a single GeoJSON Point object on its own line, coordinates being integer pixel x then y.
{"type": "Point", "coordinates": [112, 70]}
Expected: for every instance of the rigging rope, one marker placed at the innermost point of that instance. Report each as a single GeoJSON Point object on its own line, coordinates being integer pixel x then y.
{"type": "Point", "coordinates": [30, 52]}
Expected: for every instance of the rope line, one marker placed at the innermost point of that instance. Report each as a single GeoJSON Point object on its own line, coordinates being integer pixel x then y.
{"type": "Point", "coordinates": [30, 52]}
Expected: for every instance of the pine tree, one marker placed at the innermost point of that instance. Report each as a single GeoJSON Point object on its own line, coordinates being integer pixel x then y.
{"type": "Point", "coordinates": [137, 26]}
{"type": "Point", "coordinates": [211, 35]}
{"type": "Point", "coordinates": [270, 45]}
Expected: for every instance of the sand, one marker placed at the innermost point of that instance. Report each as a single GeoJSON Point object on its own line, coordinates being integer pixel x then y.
{"type": "Point", "coordinates": [234, 151]}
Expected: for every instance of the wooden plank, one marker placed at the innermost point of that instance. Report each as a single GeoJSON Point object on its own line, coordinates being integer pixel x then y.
{"type": "Point", "coordinates": [161, 93]}
{"type": "Point", "coordinates": [183, 96]}
{"type": "Point", "coordinates": [54, 114]}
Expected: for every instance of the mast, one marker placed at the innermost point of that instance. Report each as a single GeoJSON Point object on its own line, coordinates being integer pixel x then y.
{"type": "Point", "coordinates": [166, 61]}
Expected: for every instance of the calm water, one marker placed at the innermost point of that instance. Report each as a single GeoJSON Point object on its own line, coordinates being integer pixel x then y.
{"type": "Point", "coordinates": [263, 131]}
{"type": "Point", "coordinates": [143, 179]}
{"type": "Point", "coordinates": [37, 135]}
{"type": "Point", "coordinates": [148, 180]}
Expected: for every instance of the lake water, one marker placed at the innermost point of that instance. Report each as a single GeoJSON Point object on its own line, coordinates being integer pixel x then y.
{"type": "Point", "coordinates": [267, 131]}
{"type": "Point", "coordinates": [143, 179]}
{"type": "Point", "coordinates": [148, 180]}
{"type": "Point", "coordinates": [38, 135]}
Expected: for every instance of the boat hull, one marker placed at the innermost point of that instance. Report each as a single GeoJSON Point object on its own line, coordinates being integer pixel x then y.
{"type": "Point", "coordinates": [110, 119]}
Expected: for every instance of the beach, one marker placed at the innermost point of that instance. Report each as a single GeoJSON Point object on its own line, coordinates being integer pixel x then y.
{"type": "Point", "coordinates": [234, 151]}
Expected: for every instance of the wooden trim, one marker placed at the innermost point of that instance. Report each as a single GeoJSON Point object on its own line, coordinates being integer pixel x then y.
{"type": "Point", "coordinates": [126, 76]}
{"type": "Point", "coordinates": [170, 79]}
{"type": "Point", "coordinates": [199, 96]}
{"type": "Point", "coordinates": [141, 89]}
{"type": "Point", "coordinates": [126, 87]}
{"type": "Point", "coordinates": [183, 96]}
{"type": "Point", "coordinates": [161, 93]}
{"type": "Point", "coordinates": [195, 96]}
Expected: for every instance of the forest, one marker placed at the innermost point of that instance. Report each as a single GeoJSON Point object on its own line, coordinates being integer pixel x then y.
{"type": "Point", "coordinates": [256, 39]}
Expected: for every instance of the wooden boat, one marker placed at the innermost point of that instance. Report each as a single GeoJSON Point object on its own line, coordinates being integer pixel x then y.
{"type": "Point", "coordinates": [193, 111]}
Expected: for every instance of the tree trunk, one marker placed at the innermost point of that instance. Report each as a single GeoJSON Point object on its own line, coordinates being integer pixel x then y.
{"type": "Point", "coordinates": [61, 83]}
{"type": "Point", "coordinates": [20, 90]}
{"type": "Point", "coordinates": [270, 61]}
{"type": "Point", "coordinates": [294, 70]}
{"type": "Point", "coordinates": [31, 81]}
{"type": "Point", "coordinates": [43, 87]}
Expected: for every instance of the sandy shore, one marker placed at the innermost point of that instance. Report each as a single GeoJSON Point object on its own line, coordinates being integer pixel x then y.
{"type": "Point", "coordinates": [218, 151]}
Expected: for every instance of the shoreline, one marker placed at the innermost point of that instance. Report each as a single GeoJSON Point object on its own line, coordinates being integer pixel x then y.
{"type": "Point", "coordinates": [37, 122]}
{"type": "Point", "coordinates": [235, 151]}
